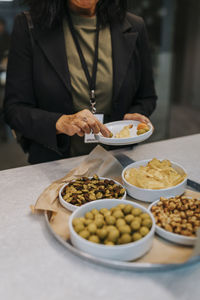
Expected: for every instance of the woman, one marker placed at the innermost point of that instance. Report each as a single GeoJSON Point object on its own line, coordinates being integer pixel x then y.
{"type": "Point", "coordinates": [49, 94]}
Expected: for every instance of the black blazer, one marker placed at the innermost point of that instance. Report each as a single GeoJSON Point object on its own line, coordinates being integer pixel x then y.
{"type": "Point", "coordinates": [38, 89]}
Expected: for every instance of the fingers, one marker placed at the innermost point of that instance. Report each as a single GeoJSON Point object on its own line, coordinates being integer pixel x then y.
{"type": "Point", "coordinates": [137, 117]}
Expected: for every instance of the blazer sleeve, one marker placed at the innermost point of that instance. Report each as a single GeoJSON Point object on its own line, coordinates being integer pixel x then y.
{"type": "Point", "coordinates": [20, 105]}
{"type": "Point", "coordinates": [145, 98]}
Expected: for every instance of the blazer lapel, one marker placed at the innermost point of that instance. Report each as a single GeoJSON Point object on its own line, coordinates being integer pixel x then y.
{"type": "Point", "coordinates": [123, 45]}
{"type": "Point", "coordinates": [52, 43]}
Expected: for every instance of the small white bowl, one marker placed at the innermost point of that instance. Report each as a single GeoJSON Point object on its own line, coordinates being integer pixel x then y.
{"type": "Point", "coordinates": [150, 195]}
{"type": "Point", "coordinates": [126, 252]}
{"type": "Point", "coordinates": [173, 237]}
{"type": "Point", "coordinates": [72, 207]}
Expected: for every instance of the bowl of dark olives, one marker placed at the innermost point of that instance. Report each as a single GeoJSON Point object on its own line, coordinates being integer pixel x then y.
{"type": "Point", "coordinates": [113, 229]}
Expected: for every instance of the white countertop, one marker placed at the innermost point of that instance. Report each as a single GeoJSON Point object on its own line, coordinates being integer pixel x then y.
{"type": "Point", "coordinates": [33, 265]}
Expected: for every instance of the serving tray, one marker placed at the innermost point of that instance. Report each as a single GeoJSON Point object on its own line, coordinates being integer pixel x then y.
{"type": "Point", "coordinates": [129, 266]}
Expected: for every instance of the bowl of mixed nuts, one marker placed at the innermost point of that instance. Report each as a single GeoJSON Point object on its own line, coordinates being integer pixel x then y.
{"type": "Point", "coordinates": [87, 189]}
{"type": "Point", "coordinates": [177, 218]}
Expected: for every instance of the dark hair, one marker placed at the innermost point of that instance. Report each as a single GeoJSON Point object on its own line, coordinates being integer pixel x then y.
{"type": "Point", "coordinates": [48, 13]}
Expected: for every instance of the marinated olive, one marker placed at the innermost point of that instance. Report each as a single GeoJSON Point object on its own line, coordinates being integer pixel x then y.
{"type": "Point", "coordinates": [125, 238]}
{"type": "Point", "coordinates": [125, 229]}
{"type": "Point", "coordinates": [118, 214]}
{"type": "Point", "coordinates": [102, 233]}
{"type": "Point", "coordinates": [99, 222]}
{"type": "Point", "coordinates": [92, 228]}
{"type": "Point", "coordinates": [84, 234]}
{"type": "Point", "coordinates": [94, 211]}
{"type": "Point", "coordinates": [109, 243]}
{"type": "Point", "coordinates": [129, 218]}
{"type": "Point", "coordinates": [135, 225]}
{"type": "Point", "coordinates": [89, 215]}
{"type": "Point", "coordinates": [120, 222]}
{"type": "Point", "coordinates": [79, 227]}
{"type": "Point", "coordinates": [136, 211]}
{"type": "Point", "coordinates": [87, 222]}
{"type": "Point", "coordinates": [127, 209]}
{"type": "Point", "coordinates": [113, 235]}
{"type": "Point", "coordinates": [147, 223]}
{"type": "Point", "coordinates": [94, 239]}
{"type": "Point", "coordinates": [110, 220]}
{"type": "Point", "coordinates": [136, 236]}
{"type": "Point", "coordinates": [144, 230]}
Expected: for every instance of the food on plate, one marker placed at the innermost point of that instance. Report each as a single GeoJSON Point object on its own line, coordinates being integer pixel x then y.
{"type": "Point", "coordinates": [155, 175]}
{"type": "Point", "coordinates": [142, 128]}
{"type": "Point", "coordinates": [119, 225]}
{"type": "Point", "coordinates": [124, 133]}
{"type": "Point", "coordinates": [179, 215]}
{"type": "Point", "coordinates": [85, 189]}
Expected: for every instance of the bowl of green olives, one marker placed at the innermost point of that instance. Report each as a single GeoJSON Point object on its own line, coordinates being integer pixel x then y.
{"type": "Point", "coordinates": [113, 229]}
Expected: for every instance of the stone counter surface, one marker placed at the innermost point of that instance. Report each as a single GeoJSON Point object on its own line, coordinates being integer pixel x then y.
{"type": "Point", "coordinates": [33, 265]}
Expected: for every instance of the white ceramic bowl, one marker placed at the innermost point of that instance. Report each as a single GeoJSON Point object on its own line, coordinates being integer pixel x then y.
{"type": "Point", "coordinates": [115, 127]}
{"type": "Point", "coordinates": [173, 237]}
{"type": "Point", "coordinates": [124, 252]}
{"type": "Point", "coordinates": [72, 207]}
{"type": "Point", "coordinates": [150, 195]}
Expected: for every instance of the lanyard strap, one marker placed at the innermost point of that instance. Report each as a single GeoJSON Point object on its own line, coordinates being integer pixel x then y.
{"type": "Point", "coordinates": [91, 80]}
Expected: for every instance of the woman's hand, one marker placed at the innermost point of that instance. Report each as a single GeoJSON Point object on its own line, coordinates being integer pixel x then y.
{"type": "Point", "coordinates": [137, 117]}
{"type": "Point", "coordinates": [81, 123]}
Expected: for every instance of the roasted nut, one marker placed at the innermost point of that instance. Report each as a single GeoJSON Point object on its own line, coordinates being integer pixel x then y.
{"type": "Point", "coordinates": [86, 189]}
{"type": "Point", "coordinates": [180, 215]}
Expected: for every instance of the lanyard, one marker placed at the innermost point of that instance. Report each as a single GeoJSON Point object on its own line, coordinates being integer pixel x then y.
{"type": "Point", "coordinates": [91, 80]}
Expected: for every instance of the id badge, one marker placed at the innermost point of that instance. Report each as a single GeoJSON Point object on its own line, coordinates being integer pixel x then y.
{"type": "Point", "coordinates": [90, 138]}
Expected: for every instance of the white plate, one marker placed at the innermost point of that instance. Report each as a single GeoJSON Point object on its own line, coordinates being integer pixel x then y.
{"type": "Point", "coordinates": [126, 252]}
{"type": "Point", "coordinates": [173, 237]}
{"type": "Point", "coordinates": [72, 207]}
{"type": "Point", "coordinates": [115, 128]}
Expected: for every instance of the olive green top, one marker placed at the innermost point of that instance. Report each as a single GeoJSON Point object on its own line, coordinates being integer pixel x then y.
{"type": "Point", "coordinates": [85, 28]}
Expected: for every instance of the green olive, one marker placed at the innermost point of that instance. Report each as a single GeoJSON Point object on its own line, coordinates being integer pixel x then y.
{"type": "Point", "coordinates": [118, 214]}
{"type": "Point", "coordinates": [110, 228]}
{"type": "Point", "coordinates": [136, 211]}
{"type": "Point", "coordinates": [147, 222]}
{"type": "Point", "coordinates": [88, 221]}
{"type": "Point", "coordinates": [99, 222]}
{"type": "Point", "coordinates": [141, 131]}
{"type": "Point", "coordinates": [129, 218]}
{"type": "Point", "coordinates": [94, 239]}
{"type": "Point", "coordinates": [84, 234]}
{"type": "Point", "coordinates": [92, 228]}
{"type": "Point", "coordinates": [136, 236]}
{"type": "Point", "coordinates": [108, 243]}
{"type": "Point", "coordinates": [144, 230]}
{"type": "Point", "coordinates": [113, 235]}
{"type": "Point", "coordinates": [103, 210]}
{"type": "Point", "coordinates": [110, 220]}
{"type": "Point", "coordinates": [82, 219]}
{"type": "Point", "coordinates": [125, 238]}
{"type": "Point", "coordinates": [125, 229]}
{"type": "Point", "coordinates": [94, 211]}
{"type": "Point", "coordinates": [79, 227]}
{"type": "Point", "coordinates": [145, 216]}
{"type": "Point", "coordinates": [120, 206]}
{"type": "Point", "coordinates": [76, 221]}
{"type": "Point", "coordinates": [127, 209]}
{"type": "Point", "coordinates": [120, 222]}
{"type": "Point", "coordinates": [138, 219]}
{"type": "Point", "coordinates": [99, 217]}
{"type": "Point", "coordinates": [89, 215]}
{"type": "Point", "coordinates": [107, 213]}
{"type": "Point", "coordinates": [102, 233]}
{"type": "Point", "coordinates": [135, 225]}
